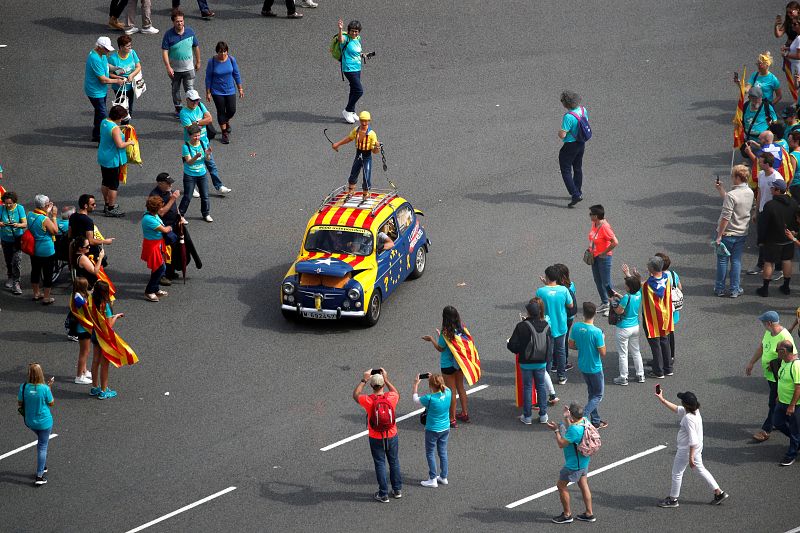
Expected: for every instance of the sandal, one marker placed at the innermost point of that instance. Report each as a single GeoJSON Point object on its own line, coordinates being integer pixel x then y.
{"type": "Point", "coordinates": [48, 301]}
{"type": "Point", "coordinates": [602, 425]}
{"type": "Point", "coordinates": [161, 293]}
{"type": "Point", "coordinates": [151, 297]}
{"type": "Point", "coordinates": [761, 436]}
{"type": "Point", "coordinates": [464, 418]}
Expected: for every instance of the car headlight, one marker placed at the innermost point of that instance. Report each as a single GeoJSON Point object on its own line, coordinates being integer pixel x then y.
{"type": "Point", "coordinates": [354, 294]}
{"type": "Point", "coordinates": [287, 287]}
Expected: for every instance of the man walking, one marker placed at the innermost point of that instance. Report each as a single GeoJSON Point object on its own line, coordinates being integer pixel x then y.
{"type": "Point", "coordinates": [768, 351]}
{"type": "Point", "coordinates": [778, 216]}
{"type": "Point", "coordinates": [588, 339]}
{"type": "Point", "coordinates": [557, 300]}
{"type": "Point", "coordinates": [570, 157]}
{"type": "Point", "coordinates": [96, 80]}
{"type": "Point", "coordinates": [785, 416]}
{"type": "Point", "coordinates": [732, 227]}
{"type": "Point", "coordinates": [381, 422]}
{"type": "Point", "coordinates": [181, 55]}
{"type": "Point", "coordinates": [197, 114]}
{"type": "Point", "coordinates": [657, 316]}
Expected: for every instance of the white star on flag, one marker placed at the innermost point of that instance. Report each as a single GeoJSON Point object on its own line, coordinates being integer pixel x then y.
{"type": "Point", "coordinates": [323, 261]}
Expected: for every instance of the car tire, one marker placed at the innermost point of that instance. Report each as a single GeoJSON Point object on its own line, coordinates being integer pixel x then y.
{"type": "Point", "coordinates": [420, 260]}
{"type": "Point", "coordinates": [291, 316]}
{"type": "Point", "coordinates": [373, 313]}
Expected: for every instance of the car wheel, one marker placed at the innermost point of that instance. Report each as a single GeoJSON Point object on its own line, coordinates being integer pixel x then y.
{"type": "Point", "coordinates": [420, 259]}
{"type": "Point", "coordinates": [374, 309]}
{"type": "Point", "coordinates": [291, 316]}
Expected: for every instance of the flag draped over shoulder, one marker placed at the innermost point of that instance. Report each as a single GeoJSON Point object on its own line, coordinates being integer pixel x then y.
{"type": "Point", "coordinates": [790, 81]}
{"type": "Point", "coordinates": [657, 306]}
{"type": "Point", "coordinates": [466, 355]}
{"type": "Point", "coordinates": [518, 382]}
{"type": "Point", "coordinates": [738, 124]}
{"type": "Point", "coordinates": [81, 311]}
{"type": "Point", "coordinates": [111, 345]}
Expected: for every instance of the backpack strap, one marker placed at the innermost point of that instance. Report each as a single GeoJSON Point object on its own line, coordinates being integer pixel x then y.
{"type": "Point", "coordinates": [750, 129]}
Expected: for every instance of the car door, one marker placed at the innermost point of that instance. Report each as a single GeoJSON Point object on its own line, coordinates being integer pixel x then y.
{"type": "Point", "coordinates": [405, 224]}
{"type": "Point", "coordinates": [388, 260]}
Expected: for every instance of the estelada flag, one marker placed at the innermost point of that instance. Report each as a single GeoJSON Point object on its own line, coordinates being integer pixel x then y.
{"type": "Point", "coordinates": [111, 345]}
{"type": "Point", "coordinates": [738, 125]}
{"type": "Point", "coordinates": [466, 355]}
{"type": "Point", "coordinates": [81, 312]}
{"type": "Point", "coordinates": [518, 382]}
{"type": "Point", "coordinates": [790, 81]}
{"type": "Point", "coordinates": [657, 307]}
{"type": "Point", "coordinates": [787, 165]}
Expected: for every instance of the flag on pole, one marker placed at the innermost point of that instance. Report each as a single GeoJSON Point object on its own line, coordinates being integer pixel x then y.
{"type": "Point", "coordinates": [518, 382]}
{"type": "Point", "coordinates": [111, 345]}
{"type": "Point", "coordinates": [466, 355]}
{"type": "Point", "coordinates": [790, 80]}
{"type": "Point", "coordinates": [738, 125]}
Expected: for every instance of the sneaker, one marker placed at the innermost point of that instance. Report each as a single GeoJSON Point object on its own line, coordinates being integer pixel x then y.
{"type": "Point", "coordinates": [621, 381]}
{"type": "Point", "coordinates": [574, 201]}
{"type": "Point", "coordinates": [9, 283]}
{"type": "Point", "coordinates": [397, 494]}
{"type": "Point", "coordinates": [107, 394]}
{"type": "Point", "coordinates": [87, 374]}
{"type": "Point", "coordinates": [568, 367]}
{"type": "Point", "coordinates": [429, 483]}
{"type": "Point", "coordinates": [787, 461]}
{"type": "Point", "coordinates": [83, 380]}
{"type": "Point", "coordinates": [721, 294]}
{"type": "Point", "coordinates": [17, 289]}
{"type": "Point", "coordinates": [777, 276]}
{"type": "Point", "coordinates": [605, 313]}
{"type": "Point", "coordinates": [719, 498]}
{"type": "Point", "coordinates": [114, 212]}
{"type": "Point", "coordinates": [442, 480]}
{"type": "Point", "coordinates": [307, 3]}
{"type": "Point", "coordinates": [553, 400]}
{"type": "Point", "coordinates": [602, 307]}
{"type": "Point", "coordinates": [526, 420]}
{"type": "Point", "coordinates": [294, 15]}
{"type": "Point", "coordinates": [150, 30]}
{"type": "Point", "coordinates": [544, 419]}
{"type": "Point", "coordinates": [131, 30]}
{"type": "Point", "coordinates": [668, 502]}
{"type": "Point", "coordinates": [735, 294]}
{"type": "Point", "coordinates": [563, 380]}
{"type": "Point", "coordinates": [196, 193]}
{"type": "Point", "coordinates": [654, 375]}
{"type": "Point", "coordinates": [561, 519]}
{"type": "Point", "coordinates": [94, 391]}
{"type": "Point", "coordinates": [222, 191]}
{"type": "Point", "coordinates": [785, 289]}
{"type": "Point", "coordinates": [583, 517]}
{"type": "Point", "coordinates": [670, 373]}
{"type": "Point", "coordinates": [40, 481]}
{"type": "Point", "coordinates": [72, 338]}
{"type": "Point", "coordinates": [348, 117]}
{"type": "Point", "coordinates": [165, 281]}
{"type": "Point", "coordinates": [757, 270]}
{"type": "Point", "coordinates": [382, 499]}
{"type": "Point", "coordinates": [225, 138]}
{"type": "Point", "coordinates": [207, 15]}
{"type": "Point", "coordinates": [268, 14]}
{"type": "Point", "coordinates": [640, 379]}
{"type": "Point", "coordinates": [208, 218]}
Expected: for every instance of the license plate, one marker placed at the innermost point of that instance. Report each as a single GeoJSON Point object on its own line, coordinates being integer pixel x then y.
{"type": "Point", "coordinates": [314, 314]}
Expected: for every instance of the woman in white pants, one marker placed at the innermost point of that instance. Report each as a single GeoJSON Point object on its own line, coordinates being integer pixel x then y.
{"type": "Point", "coordinates": [690, 448]}
{"type": "Point", "coordinates": [627, 329]}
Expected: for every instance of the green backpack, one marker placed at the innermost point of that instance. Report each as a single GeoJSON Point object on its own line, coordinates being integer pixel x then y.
{"type": "Point", "coordinates": [336, 48]}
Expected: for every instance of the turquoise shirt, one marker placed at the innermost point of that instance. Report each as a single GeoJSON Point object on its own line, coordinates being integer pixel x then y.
{"type": "Point", "coordinates": [14, 216]}
{"type": "Point", "coordinates": [632, 303]}
{"type": "Point", "coordinates": [796, 177]}
{"type": "Point", "coordinates": [758, 120]}
{"type": "Point", "coordinates": [446, 359]}
{"type": "Point", "coordinates": [573, 459]}
{"type": "Point", "coordinates": [438, 405]}
{"type": "Point", "coordinates": [768, 83]}
{"type": "Point", "coordinates": [35, 398]}
{"type": "Point", "coordinates": [96, 65]}
{"type": "Point", "coordinates": [189, 116]}
{"type": "Point", "coordinates": [570, 124]}
{"type": "Point", "coordinates": [351, 54]}
{"type": "Point", "coordinates": [179, 49]}
{"type": "Point", "coordinates": [108, 155]}
{"type": "Point", "coordinates": [128, 65]}
{"type": "Point", "coordinates": [588, 339]}
{"type": "Point", "coordinates": [556, 298]}
{"type": "Point", "coordinates": [198, 168]}
{"type": "Point", "coordinates": [532, 366]}
{"type": "Point", "coordinates": [149, 225]}
{"type": "Point", "coordinates": [43, 241]}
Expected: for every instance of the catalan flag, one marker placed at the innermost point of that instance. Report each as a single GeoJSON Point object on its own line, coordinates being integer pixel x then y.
{"type": "Point", "coordinates": [111, 345]}
{"type": "Point", "coordinates": [657, 306]}
{"type": "Point", "coordinates": [518, 382]}
{"type": "Point", "coordinates": [738, 125]}
{"type": "Point", "coordinates": [79, 307]}
{"type": "Point", "coordinates": [787, 165]}
{"type": "Point", "coordinates": [466, 354]}
{"type": "Point", "coordinates": [790, 80]}
{"type": "Point", "coordinates": [102, 276]}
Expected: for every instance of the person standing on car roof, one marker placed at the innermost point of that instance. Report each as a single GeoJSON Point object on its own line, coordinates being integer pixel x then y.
{"type": "Point", "coordinates": [366, 144]}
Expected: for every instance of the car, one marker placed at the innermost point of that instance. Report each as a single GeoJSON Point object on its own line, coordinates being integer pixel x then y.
{"type": "Point", "coordinates": [356, 251]}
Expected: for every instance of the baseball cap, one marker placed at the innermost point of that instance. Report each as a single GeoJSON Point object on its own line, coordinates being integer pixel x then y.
{"type": "Point", "coordinates": [105, 42]}
{"type": "Point", "coordinates": [755, 90]}
{"type": "Point", "coordinates": [779, 184]}
{"type": "Point", "coordinates": [376, 380]}
{"type": "Point", "coordinates": [364, 115]}
{"type": "Point", "coordinates": [191, 94]}
{"type": "Point", "coordinates": [789, 111]}
{"type": "Point", "coordinates": [689, 399]}
{"type": "Point", "coordinates": [164, 177]}
{"type": "Point", "coordinates": [769, 316]}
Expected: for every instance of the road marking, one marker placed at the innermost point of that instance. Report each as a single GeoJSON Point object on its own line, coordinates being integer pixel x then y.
{"type": "Point", "coordinates": [182, 509]}
{"type": "Point", "coordinates": [399, 419]}
{"type": "Point", "coordinates": [795, 530]}
{"type": "Point", "coordinates": [592, 473]}
{"type": "Point", "coordinates": [32, 444]}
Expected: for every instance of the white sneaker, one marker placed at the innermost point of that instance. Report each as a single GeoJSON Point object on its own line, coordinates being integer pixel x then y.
{"type": "Point", "coordinates": [544, 419]}
{"type": "Point", "coordinates": [9, 283]}
{"type": "Point", "coordinates": [307, 3]}
{"type": "Point", "coordinates": [83, 380]}
{"type": "Point", "coordinates": [16, 289]}
{"type": "Point", "coordinates": [442, 480]}
{"type": "Point", "coordinates": [131, 30]}
{"type": "Point", "coordinates": [196, 193]}
{"type": "Point", "coordinates": [429, 483]}
{"type": "Point", "coordinates": [222, 191]}
{"type": "Point", "coordinates": [526, 421]}
{"type": "Point", "coordinates": [354, 116]}
{"type": "Point", "coordinates": [150, 30]}
{"type": "Point", "coordinates": [87, 374]}
{"type": "Point", "coordinates": [208, 218]}
{"type": "Point", "coordinates": [348, 117]}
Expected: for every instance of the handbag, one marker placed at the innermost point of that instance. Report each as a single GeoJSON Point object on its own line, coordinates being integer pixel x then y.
{"type": "Point", "coordinates": [211, 132]}
{"type": "Point", "coordinates": [121, 97]}
{"type": "Point", "coordinates": [423, 417]}
{"type": "Point", "coordinates": [588, 257]}
{"type": "Point", "coordinates": [677, 295]}
{"type": "Point", "coordinates": [27, 242]}
{"type": "Point", "coordinates": [139, 86]}
{"type": "Point", "coordinates": [613, 317]}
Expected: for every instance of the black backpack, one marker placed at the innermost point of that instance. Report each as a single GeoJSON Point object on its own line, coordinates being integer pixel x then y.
{"type": "Point", "coordinates": [536, 350]}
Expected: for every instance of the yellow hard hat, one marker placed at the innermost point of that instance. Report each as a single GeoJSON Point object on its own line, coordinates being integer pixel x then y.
{"type": "Point", "coordinates": [364, 115]}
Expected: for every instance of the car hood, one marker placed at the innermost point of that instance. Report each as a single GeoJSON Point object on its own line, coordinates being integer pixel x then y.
{"type": "Point", "coordinates": [328, 266]}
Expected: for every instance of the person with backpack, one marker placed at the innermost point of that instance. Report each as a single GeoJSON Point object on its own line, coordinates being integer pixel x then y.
{"type": "Point", "coordinates": [35, 400]}
{"type": "Point", "coordinates": [437, 427]}
{"type": "Point", "coordinates": [43, 225]}
{"type": "Point", "coordinates": [690, 448]}
{"type": "Point", "coordinates": [757, 114]}
{"type": "Point", "coordinates": [590, 342]}
{"type": "Point", "coordinates": [382, 427]}
{"type": "Point", "coordinates": [350, 59]}
{"type": "Point", "coordinates": [785, 416]}
{"type": "Point", "coordinates": [195, 113]}
{"type": "Point", "coordinates": [366, 144]}
{"type": "Point", "coordinates": [574, 133]}
{"type": "Point", "coordinates": [534, 344]}
{"type": "Point", "coordinates": [579, 440]}
{"type": "Point", "coordinates": [677, 303]}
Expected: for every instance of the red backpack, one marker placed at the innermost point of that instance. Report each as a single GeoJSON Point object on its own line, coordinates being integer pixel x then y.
{"type": "Point", "coordinates": [381, 417]}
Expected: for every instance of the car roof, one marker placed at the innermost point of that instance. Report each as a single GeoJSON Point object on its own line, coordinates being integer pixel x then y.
{"type": "Point", "coordinates": [339, 209]}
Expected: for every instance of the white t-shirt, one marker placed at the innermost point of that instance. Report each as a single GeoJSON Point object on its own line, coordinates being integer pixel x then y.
{"type": "Point", "coordinates": [691, 431]}
{"type": "Point", "coordinates": [764, 181]}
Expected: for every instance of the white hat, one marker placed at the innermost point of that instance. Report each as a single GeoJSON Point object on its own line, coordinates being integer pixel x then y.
{"type": "Point", "coordinates": [191, 94]}
{"type": "Point", "coordinates": [105, 42]}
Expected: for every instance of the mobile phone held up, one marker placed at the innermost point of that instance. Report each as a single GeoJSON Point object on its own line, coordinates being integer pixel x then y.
{"type": "Point", "coordinates": [717, 179]}
{"type": "Point", "coordinates": [426, 375]}
{"type": "Point", "coordinates": [658, 389]}
{"type": "Point", "coordinates": [375, 371]}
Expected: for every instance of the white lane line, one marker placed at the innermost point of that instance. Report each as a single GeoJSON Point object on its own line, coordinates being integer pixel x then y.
{"type": "Point", "coordinates": [592, 473]}
{"type": "Point", "coordinates": [182, 509]}
{"type": "Point", "coordinates": [30, 445]}
{"type": "Point", "coordinates": [795, 530]}
{"type": "Point", "coordinates": [399, 419]}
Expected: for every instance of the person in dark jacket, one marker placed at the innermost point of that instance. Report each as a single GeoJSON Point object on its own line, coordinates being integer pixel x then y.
{"type": "Point", "coordinates": [533, 358]}
{"type": "Point", "coordinates": [777, 216]}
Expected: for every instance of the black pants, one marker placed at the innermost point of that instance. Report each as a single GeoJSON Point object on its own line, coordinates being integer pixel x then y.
{"type": "Point", "coordinates": [42, 270]}
{"type": "Point", "coordinates": [570, 160]}
{"type": "Point", "coordinates": [116, 8]}
{"type": "Point", "coordinates": [290, 9]}
{"type": "Point", "coordinates": [768, 426]}
{"type": "Point", "coordinates": [672, 345]}
{"type": "Point", "coordinates": [662, 359]}
{"type": "Point", "coordinates": [226, 107]}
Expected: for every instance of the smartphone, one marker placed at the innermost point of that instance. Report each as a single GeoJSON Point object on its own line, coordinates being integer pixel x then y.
{"type": "Point", "coordinates": [658, 389]}
{"type": "Point", "coordinates": [736, 77]}
{"type": "Point", "coordinates": [426, 375]}
{"type": "Point", "coordinates": [375, 371]}
{"type": "Point", "coordinates": [717, 179]}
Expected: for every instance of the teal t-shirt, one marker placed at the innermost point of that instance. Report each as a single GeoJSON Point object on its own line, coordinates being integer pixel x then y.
{"type": "Point", "coordinates": [128, 64]}
{"type": "Point", "coordinates": [149, 225]}
{"type": "Point", "coordinates": [11, 216]}
{"type": "Point", "coordinates": [446, 359]}
{"type": "Point", "coordinates": [768, 84]}
{"type": "Point", "coordinates": [108, 154]}
{"type": "Point", "coordinates": [570, 123]}
{"type": "Point", "coordinates": [44, 246]}
{"type": "Point", "coordinates": [556, 298]}
{"type": "Point", "coordinates": [438, 405]}
{"type": "Point", "coordinates": [532, 366]}
{"type": "Point", "coordinates": [573, 459]}
{"type": "Point", "coordinates": [351, 54]}
{"type": "Point", "coordinates": [632, 303]}
{"type": "Point", "coordinates": [588, 339]}
{"type": "Point", "coordinates": [198, 168]}
{"type": "Point", "coordinates": [758, 119]}
{"type": "Point", "coordinates": [796, 177]}
{"type": "Point", "coordinates": [188, 116]}
{"type": "Point", "coordinates": [96, 65]}
{"type": "Point", "coordinates": [35, 398]}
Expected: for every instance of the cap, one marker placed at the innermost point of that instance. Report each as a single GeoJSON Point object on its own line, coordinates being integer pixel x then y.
{"type": "Point", "coordinates": [532, 308]}
{"type": "Point", "coordinates": [755, 90]}
{"type": "Point", "coordinates": [376, 380]}
{"type": "Point", "coordinates": [689, 399]}
{"type": "Point", "coordinates": [779, 184]}
{"type": "Point", "coordinates": [789, 111]}
{"type": "Point", "coordinates": [105, 42]}
{"type": "Point", "coordinates": [364, 115]}
{"type": "Point", "coordinates": [165, 178]}
{"type": "Point", "coordinates": [191, 94]}
{"type": "Point", "coordinates": [769, 316]}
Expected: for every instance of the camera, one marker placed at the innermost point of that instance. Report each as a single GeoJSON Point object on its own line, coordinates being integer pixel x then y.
{"type": "Point", "coordinates": [374, 371]}
{"type": "Point", "coordinates": [367, 56]}
{"type": "Point", "coordinates": [426, 375]}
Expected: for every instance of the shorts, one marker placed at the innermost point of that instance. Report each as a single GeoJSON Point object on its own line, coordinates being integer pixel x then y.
{"type": "Point", "coordinates": [94, 339]}
{"type": "Point", "coordinates": [83, 335]}
{"type": "Point", "coordinates": [449, 370]}
{"type": "Point", "coordinates": [110, 177]}
{"type": "Point", "coordinates": [572, 475]}
{"type": "Point", "coordinates": [775, 253]}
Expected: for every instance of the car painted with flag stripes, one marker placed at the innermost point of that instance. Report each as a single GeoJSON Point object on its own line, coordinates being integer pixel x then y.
{"type": "Point", "coordinates": [342, 269]}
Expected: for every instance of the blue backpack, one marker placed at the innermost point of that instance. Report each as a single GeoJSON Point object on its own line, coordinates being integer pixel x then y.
{"type": "Point", "coordinates": [584, 131]}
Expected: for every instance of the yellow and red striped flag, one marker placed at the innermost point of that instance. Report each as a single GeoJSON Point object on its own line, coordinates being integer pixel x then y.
{"type": "Point", "coordinates": [790, 81]}
{"type": "Point", "coordinates": [102, 276]}
{"type": "Point", "coordinates": [111, 345]}
{"type": "Point", "coordinates": [81, 313]}
{"type": "Point", "coordinates": [738, 125]}
{"type": "Point", "coordinates": [787, 165]}
{"type": "Point", "coordinates": [466, 354]}
{"type": "Point", "coordinates": [518, 396]}
{"type": "Point", "coordinates": [657, 307]}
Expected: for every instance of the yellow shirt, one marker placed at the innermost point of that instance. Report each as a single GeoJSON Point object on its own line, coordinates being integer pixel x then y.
{"type": "Point", "coordinates": [769, 345]}
{"type": "Point", "coordinates": [364, 144]}
{"type": "Point", "coordinates": [788, 377]}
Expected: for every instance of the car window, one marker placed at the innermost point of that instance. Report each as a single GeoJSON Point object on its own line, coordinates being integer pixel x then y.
{"type": "Point", "coordinates": [404, 217]}
{"type": "Point", "coordinates": [339, 240]}
{"type": "Point", "coordinates": [389, 228]}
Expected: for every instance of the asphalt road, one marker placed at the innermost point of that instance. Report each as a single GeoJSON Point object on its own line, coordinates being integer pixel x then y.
{"type": "Point", "coordinates": [465, 97]}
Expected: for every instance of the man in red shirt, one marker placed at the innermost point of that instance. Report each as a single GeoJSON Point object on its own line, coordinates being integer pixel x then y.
{"type": "Point", "coordinates": [383, 444]}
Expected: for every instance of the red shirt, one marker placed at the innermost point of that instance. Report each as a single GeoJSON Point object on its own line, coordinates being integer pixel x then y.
{"type": "Point", "coordinates": [366, 401]}
{"type": "Point", "coordinates": [600, 238]}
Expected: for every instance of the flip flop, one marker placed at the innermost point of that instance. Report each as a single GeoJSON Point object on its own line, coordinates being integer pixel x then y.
{"type": "Point", "coordinates": [761, 436]}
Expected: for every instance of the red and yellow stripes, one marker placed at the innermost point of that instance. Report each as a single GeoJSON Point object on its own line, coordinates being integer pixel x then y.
{"type": "Point", "coordinates": [657, 311]}
{"type": "Point", "coordinates": [738, 125]}
{"type": "Point", "coordinates": [518, 396]}
{"type": "Point", "coordinates": [112, 346]}
{"type": "Point", "coordinates": [790, 81]}
{"type": "Point", "coordinates": [466, 354]}
{"type": "Point", "coordinates": [81, 314]}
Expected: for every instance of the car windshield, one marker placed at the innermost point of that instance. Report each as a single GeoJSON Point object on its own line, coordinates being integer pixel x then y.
{"type": "Point", "coordinates": [339, 240]}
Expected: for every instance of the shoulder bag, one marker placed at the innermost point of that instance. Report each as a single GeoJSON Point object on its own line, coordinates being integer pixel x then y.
{"type": "Point", "coordinates": [677, 295]}
{"type": "Point", "coordinates": [588, 256]}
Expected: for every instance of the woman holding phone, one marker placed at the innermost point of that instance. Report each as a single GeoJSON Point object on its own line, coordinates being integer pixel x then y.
{"type": "Point", "coordinates": [437, 426]}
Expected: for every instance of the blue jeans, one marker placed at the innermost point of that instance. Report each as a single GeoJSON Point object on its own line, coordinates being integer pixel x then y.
{"type": "Point", "coordinates": [768, 425]}
{"type": "Point", "coordinates": [528, 377]}
{"type": "Point", "coordinates": [356, 89]}
{"type": "Point", "coordinates": [560, 355]}
{"type": "Point", "coordinates": [211, 165]}
{"type": "Point", "coordinates": [601, 272]}
{"type": "Point", "coordinates": [43, 436]}
{"type": "Point", "coordinates": [436, 442]}
{"type": "Point", "coordinates": [379, 457]}
{"type": "Point", "coordinates": [789, 426]}
{"type": "Point", "coordinates": [735, 246]}
{"type": "Point", "coordinates": [570, 159]}
{"type": "Point", "coordinates": [365, 162]}
{"type": "Point", "coordinates": [155, 277]}
{"type": "Point", "coordinates": [100, 112]}
{"type": "Point", "coordinates": [189, 183]}
{"type": "Point", "coordinates": [594, 386]}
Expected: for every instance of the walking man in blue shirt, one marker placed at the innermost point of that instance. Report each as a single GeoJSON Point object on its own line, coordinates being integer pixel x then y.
{"type": "Point", "coordinates": [589, 341]}
{"type": "Point", "coordinates": [570, 157]}
{"type": "Point", "coordinates": [96, 80]}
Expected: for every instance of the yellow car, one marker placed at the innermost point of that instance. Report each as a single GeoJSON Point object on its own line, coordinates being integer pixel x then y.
{"type": "Point", "coordinates": [356, 251]}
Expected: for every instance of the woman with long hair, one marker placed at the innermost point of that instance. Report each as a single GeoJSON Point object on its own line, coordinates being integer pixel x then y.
{"type": "Point", "coordinates": [79, 262]}
{"type": "Point", "coordinates": [437, 427]}
{"type": "Point", "coordinates": [111, 157]}
{"type": "Point", "coordinates": [453, 375]}
{"type": "Point", "coordinates": [78, 308]}
{"type": "Point", "coordinates": [783, 26]}
{"type": "Point", "coordinates": [35, 398]}
{"type": "Point", "coordinates": [101, 304]}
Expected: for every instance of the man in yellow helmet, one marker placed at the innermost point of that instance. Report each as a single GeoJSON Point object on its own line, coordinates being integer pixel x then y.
{"type": "Point", "coordinates": [366, 145]}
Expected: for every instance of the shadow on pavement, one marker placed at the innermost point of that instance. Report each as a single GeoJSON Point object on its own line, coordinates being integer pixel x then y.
{"type": "Point", "coordinates": [518, 197]}
{"type": "Point", "coordinates": [60, 136]}
{"type": "Point", "coordinates": [302, 117]}
{"type": "Point", "coordinates": [493, 515]}
{"type": "Point", "coordinates": [73, 26]}
{"type": "Point", "coordinates": [306, 495]}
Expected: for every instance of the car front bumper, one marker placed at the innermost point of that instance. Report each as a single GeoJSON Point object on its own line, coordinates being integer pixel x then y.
{"type": "Point", "coordinates": [337, 313]}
